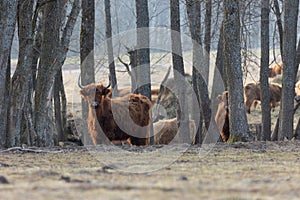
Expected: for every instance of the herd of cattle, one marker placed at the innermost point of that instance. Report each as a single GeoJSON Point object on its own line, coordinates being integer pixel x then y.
{"type": "Point", "coordinates": [127, 117]}
{"type": "Point", "coordinates": [252, 97]}
{"type": "Point", "coordinates": [110, 119]}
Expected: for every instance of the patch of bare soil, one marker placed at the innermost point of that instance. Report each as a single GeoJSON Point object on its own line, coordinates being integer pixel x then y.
{"type": "Point", "coordinates": [259, 170]}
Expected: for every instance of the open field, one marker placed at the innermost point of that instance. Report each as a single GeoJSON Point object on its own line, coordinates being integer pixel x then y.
{"type": "Point", "coordinates": [228, 171]}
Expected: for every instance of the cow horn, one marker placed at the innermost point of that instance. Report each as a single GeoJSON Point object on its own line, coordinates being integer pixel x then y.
{"type": "Point", "coordinates": [107, 86]}
{"type": "Point", "coordinates": [79, 85]}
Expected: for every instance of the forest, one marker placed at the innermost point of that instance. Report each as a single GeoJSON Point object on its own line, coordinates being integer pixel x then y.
{"type": "Point", "coordinates": [219, 49]}
{"type": "Point", "coordinates": [138, 99]}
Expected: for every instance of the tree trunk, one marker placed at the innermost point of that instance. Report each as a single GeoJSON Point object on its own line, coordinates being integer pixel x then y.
{"type": "Point", "coordinates": [60, 107]}
{"type": "Point", "coordinates": [193, 9]}
{"type": "Point", "coordinates": [178, 69]}
{"type": "Point", "coordinates": [220, 59]}
{"type": "Point", "coordinates": [110, 51]}
{"type": "Point", "coordinates": [207, 35]}
{"type": "Point", "coordinates": [279, 24]}
{"type": "Point", "coordinates": [44, 84]}
{"type": "Point", "coordinates": [232, 59]}
{"type": "Point", "coordinates": [219, 83]}
{"type": "Point", "coordinates": [8, 12]}
{"type": "Point", "coordinates": [53, 56]}
{"type": "Point", "coordinates": [143, 52]}
{"type": "Point", "coordinates": [289, 62]}
{"type": "Point", "coordinates": [264, 69]}
{"type": "Point", "coordinates": [37, 41]}
{"type": "Point", "coordinates": [200, 65]}
{"type": "Point", "coordinates": [59, 93]}
{"type": "Point", "coordinates": [277, 12]}
{"type": "Point", "coordinates": [274, 135]}
{"type": "Point", "coordinates": [87, 53]}
{"type": "Point", "coordinates": [20, 84]}
{"type": "Point", "coordinates": [133, 73]}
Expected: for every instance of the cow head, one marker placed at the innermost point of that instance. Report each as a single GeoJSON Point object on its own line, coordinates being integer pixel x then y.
{"type": "Point", "coordinates": [222, 116]}
{"type": "Point", "coordinates": [271, 73]}
{"type": "Point", "coordinates": [223, 100]}
{"type": "Point", "coordinates": [94, 93]}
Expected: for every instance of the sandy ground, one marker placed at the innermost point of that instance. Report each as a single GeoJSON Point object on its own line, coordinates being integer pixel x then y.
{"type": "Point", "coordinates": [224, 171]}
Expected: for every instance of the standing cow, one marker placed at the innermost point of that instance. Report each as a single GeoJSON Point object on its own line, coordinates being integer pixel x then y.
{"type": "Point", "coordinates": [252, 94]}
{"type": "Point", "coordinates": [120, 118]}
{"type": "Point", "coordinates": [222, 116]}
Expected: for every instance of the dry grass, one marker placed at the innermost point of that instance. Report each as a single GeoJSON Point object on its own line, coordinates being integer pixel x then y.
{"type": "Point", "coordinates": [228, 171]}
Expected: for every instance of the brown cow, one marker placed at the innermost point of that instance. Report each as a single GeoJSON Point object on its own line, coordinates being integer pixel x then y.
{"type": "Point", "coordinates": [275, 70]}
{"type": "Point", "coordinates": [119, 118]}
{"type": "Point", "coordinates": [154, 93]}
{"type": "Point", "coordinates": [252, 94]}
{"type": "Point", "coordinates": [165, 131]}
{"type": "Point", "coordinates": [222, 116]}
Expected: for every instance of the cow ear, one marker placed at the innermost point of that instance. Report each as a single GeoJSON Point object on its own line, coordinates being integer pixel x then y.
{"type": "Point", "coordinates": [83, 93]}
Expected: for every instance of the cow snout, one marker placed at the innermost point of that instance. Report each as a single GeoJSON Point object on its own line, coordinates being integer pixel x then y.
{"type": "Point", "coordinates": [95, 104]}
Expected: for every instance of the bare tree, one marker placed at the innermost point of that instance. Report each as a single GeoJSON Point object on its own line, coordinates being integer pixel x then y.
{"type": "Point", "coordinates": [59, 95]}
{"type": "Point", "coordinates": [87, 71]}
{"type": "Point", "coordinates": [207, 34]}
{"type": "Point", "coordinates": [264, 69]}
{"type": "Point", "coordinates": [277, 12]}
{"type": "Point", "coordinates": [54, 50]}
{"type": "Point", "coordinates": [220, 59]}
{"type": "Point", "coordinates": [200, 62]}
{"type": "Point", "coordinates": [60, 107]}
{"type": "Point", "coordinates": [8, 12]}
{"type": "Point", "coordinates": [20, 84]}
{"type": "Point", "coordinates": [232, 59]}
{"type": "Point", "coordinates": [44, 87]}
{"type": "Point", "coordinates": [178, 70]}
{"type": "Point", "coordinates": [110, 51]}
{"type": "Point", "coordinates": [289, 63]}
{"type": "Point", "coordinates": [143, 51]}
{"type": "Point", "coordinates": [37, 23]}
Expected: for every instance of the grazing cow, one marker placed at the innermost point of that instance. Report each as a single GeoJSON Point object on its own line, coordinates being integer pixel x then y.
{"type": "Point", "coordinates": [165, 131]}
{"type": "Point", "coordinates": [222, 116]}
{"type": "Point", "coordinates": [275, 70]}
{"type": "Point", "coordinates": [119, 118]}
{"type": "Point", "coordinates": [252, 94]}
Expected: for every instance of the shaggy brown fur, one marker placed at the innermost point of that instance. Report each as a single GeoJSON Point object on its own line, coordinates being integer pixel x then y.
{"type": "Point", "coordinates": [154, 93]}
{"type": "Point", "coordinates": [222, 116]}
{"type": "Point", "coordinates": [275, 70]}
{"type": "Point", "coordinates": [165, 131]}
{"type": "Point", "coordinates": [118, 118]}
{"type": "Point", "coordinates": [126, 91]}
{"type": "Point", "coordinates": [252, 94]}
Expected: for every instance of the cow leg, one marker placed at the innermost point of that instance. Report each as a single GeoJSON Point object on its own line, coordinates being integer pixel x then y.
{"type": "Point", "coordinates": [247, 106]}
{"type": "Point", "coordinates": [272, 106]}
{"type": "Point", "coordinates": [139, 141]}
{"type": "Point", "coordinates": [249, 102]}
